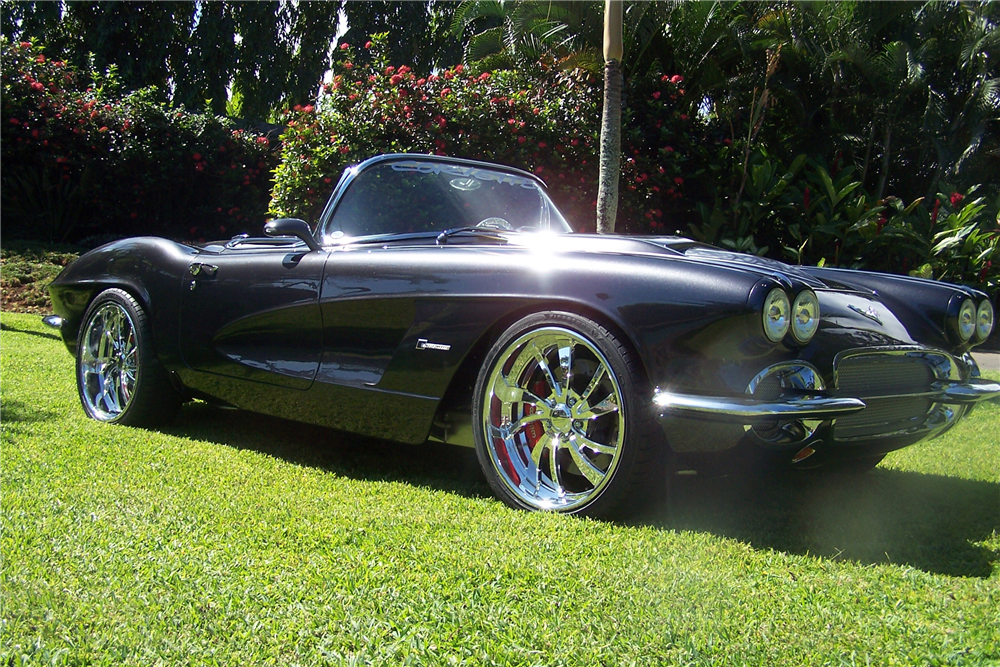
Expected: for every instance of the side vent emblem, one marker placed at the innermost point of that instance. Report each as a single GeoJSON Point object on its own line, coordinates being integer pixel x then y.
{"type": "Point", "coordinates": [422, 344]}
{"type": "Point", "coordinates": [871, 313]}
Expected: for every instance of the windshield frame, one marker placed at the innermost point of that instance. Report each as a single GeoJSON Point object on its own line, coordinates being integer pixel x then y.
{"type": "Point", "coordinates": [458, 166]}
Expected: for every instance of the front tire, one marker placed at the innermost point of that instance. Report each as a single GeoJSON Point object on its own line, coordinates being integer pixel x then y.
{"type": "Point", "coordinates": [118, 377]}
{"type": "Point", "coordinates": [562, 420]}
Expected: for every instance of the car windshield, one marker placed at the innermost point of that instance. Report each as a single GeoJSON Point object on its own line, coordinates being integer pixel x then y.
{"type": "Point", "coordinates": [414, 196]}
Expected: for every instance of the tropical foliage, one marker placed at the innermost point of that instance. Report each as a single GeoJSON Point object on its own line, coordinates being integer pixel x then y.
{"type": "Point", "coordinates": [855, 134]}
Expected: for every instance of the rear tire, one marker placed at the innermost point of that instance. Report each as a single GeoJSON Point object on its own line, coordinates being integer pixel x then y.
{"type": "Point", "coordinates": [563, 420]}
{"type": "Point", "coordinates": [118, 376]}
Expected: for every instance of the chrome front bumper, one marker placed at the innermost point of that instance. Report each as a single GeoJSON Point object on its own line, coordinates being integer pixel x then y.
{"type": "Point", "coordinates": [743, 410]}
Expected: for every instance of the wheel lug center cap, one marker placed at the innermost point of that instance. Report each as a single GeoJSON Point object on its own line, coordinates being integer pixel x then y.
{"type": "Point", "coordinates": [561, 418]}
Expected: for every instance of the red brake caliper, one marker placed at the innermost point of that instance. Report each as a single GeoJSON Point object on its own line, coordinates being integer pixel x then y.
{"type": "Point", "coordinates": [534, 430]}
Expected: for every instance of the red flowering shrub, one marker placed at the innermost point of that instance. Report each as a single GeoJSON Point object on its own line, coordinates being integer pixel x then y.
{"type": "Point", "coordinates": [81, 161]}
{"type": "Point", "coordinates": [545, 121]}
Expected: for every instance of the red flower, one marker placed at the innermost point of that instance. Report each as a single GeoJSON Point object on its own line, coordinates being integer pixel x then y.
{"type": "Point", "coordinates": [197, 157]}
{"type": "Point", "coordinates": [521, 139]}
{"type": "Point", "coordinates": [880, 224]}
{"type": "Point", "coordinates": [262, 141]}
{"type": "Point", "coordinates": [445, 92]}
{"type": "Point", "coordinates": [441, 121]}
{"type": "Point", "coordinates": [542, 144]}
{"type": "Point", "coordinates": [934, 212]}
{"type": "Point", "coordinates": [368, 45]}
{"type": "Point", "coordinates": [421, 82]}
{"type": "Point", "coordinates": [389, 70]}
{"type": "Point", "coordinates": [678, 180]}
{"type": "Point", "coordinates": [459, 68]}
{"type": "Point", "coordinates": [127, 124]}
{"type": "Point", "coordinates": [484, 76]}
{"type": "Point", "coordinates": [37, 86]}
{"type": "Point", "coordinates": [25, 45]}
{"type": "Point", "coordinates": [956, 198]}
{"type": "Point", "coordinates": [345, 150]}
{"type": "Point", "coordinates": [676, 78]}
{"type": "Point", "coordinates": [40, 58]}
{"type": "Point", "coordinates": [103, 129]}
{"type": "Point", "coordinates": [574, 142]}
{"type": "Point", "coordinates": [345, 46]}
{"type": "Point", "coordinates": [395, 79]}
{"type": "Point", "coordinates": [656, 95]}
{"type": "Point", "coordinates": [348, 65]}
{"type": "Point", "coordinates": [403, 69]}
{"type": "Point", "coordinates": [449, 75]}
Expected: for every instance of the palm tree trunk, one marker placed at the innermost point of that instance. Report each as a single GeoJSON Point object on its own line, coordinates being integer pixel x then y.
{"type": "Point", "coordinates": [611, 120]}
{"type": "Point", "coordinates": [611, 149]}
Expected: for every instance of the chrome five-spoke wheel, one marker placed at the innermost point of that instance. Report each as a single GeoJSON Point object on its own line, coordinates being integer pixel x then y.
{"type": "Point", "coordinates": [119, 378]}
{"type": "Point", "coordinates": [553, 415]}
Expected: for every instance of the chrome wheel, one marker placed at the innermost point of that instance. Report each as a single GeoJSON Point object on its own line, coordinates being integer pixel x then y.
{"type": "Point", "coordinates": [553, 421]}
{"type": "Point", "coordinates": [108, 362]}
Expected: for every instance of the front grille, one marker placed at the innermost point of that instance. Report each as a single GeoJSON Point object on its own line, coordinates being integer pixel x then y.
{"type": "Point", "coordinates": [883, 381]}
{"type": "Point", "coordinates": [882, 375]}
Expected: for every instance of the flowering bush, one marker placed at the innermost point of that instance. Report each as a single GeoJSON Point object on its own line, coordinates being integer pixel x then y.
{"type": "Point", "coordinates": [545, 121]}
{"type": "Point", "coordinates": [81, 160]}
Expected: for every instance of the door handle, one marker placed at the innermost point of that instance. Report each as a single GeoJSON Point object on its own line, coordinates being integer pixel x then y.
{"type": "Point", "coordinates": [199, 269]}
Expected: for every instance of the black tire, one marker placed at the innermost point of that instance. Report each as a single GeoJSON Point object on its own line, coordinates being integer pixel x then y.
{"type": "Point", "coordinates": [118, 377]}
{"type": "Point", "coordinates": [590, 445]}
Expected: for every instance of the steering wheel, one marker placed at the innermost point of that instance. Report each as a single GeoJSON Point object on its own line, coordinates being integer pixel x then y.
{"type": "Point", "coordinates": [495, 223]}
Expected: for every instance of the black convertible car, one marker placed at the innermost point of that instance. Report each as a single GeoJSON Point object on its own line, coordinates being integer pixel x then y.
{"type": "Point", "coordinates": [448, 300]}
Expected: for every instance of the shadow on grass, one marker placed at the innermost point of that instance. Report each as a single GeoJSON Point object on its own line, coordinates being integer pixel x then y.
{"type": "Point", "coordinates": [430, 465]}
{"type": "Point", "coordinates": [17, 411]}
{"type": "Point", "coordinates": [40, 334]}
{"type": "Point", "coordinates": [929, 522]}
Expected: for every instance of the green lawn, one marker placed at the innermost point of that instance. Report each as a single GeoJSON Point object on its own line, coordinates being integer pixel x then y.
{"type": "Point", "coordinates": [235, 539]}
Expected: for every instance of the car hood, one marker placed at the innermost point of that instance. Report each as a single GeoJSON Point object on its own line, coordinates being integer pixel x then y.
{"type": "Point", "coordinates": [693, 251]}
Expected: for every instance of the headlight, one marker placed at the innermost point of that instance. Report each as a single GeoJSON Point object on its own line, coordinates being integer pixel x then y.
{"type": "Point", "coordinates": [805, 316]}
{"type": "Point", "coordinates": [966, 320]}
{"type": "Point", "coordinates": [984, 320]}
{"type": "Point", "coordinates": [776, 309]}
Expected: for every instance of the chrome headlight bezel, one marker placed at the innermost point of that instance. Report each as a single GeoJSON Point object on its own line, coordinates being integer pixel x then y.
{"type": "Point", "coordinates": [966, 322]}
{"type": "Point", "coordinates": [776, 318]}
{"type": "Point", "coordinates": [985, 320]}
{"type": "Point", "coordinates": [806, 303]}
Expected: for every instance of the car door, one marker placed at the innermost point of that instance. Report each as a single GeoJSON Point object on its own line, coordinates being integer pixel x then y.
{"type": "Point", "coordinates": [251, 313]}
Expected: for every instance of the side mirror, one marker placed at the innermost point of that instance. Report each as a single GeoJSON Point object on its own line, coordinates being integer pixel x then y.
{"type": "Point", "coordinates": [292, 227]}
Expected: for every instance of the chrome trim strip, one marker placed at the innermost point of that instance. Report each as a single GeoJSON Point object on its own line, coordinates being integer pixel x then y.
{"type": "Point", "coordinates": [803, 376]}
{"type": "Point", "coordinates": [972, 391]}
{"type": "Point", "coordinates": [53, 321]}
{"type": "Point", "coordinates": [740, 410]}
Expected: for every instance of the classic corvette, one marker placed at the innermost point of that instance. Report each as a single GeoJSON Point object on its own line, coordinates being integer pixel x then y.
{"type": "Point", "coordinates": [448, 300]}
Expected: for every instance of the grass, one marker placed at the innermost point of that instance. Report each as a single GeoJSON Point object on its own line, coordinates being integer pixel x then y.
{"type": "Point", "coordinates": [235, 539]}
